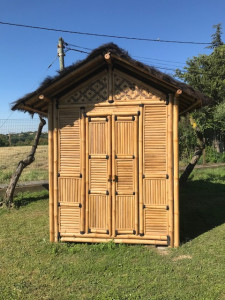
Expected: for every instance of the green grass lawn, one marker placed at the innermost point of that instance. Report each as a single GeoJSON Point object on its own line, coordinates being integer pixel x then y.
{"type": "Point", "coordinates": [32, 268]}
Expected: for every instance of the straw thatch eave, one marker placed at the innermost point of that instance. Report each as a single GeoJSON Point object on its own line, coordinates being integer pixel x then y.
{"type": "Point", "coordinates": [52, 85]}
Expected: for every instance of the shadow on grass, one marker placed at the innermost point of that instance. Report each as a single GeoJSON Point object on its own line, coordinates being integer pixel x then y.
{"type": "Point", "coordinates": [22, 199]}
{"type": "Point", "coordinates": [202, 207]}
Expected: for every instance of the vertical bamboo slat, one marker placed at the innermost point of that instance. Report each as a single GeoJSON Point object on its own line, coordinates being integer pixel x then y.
{"type": "Point", "coordinates": [83, 168]}
{"type": "Point", "coordinates": [87, 177]}
{"type": "Point", "coordinates": [50, 172]}
{"type": "Point", "coordinates": [170, 169]}
{"type": "Point", "coordinates": [110, 174]}
{"type": "Point", "coordinates": [55, 155]}
{"type": "Point", "coordinates": [176, 172]}
{"type": "Point", "coordinates": [141, 219]}
{"type": "Point", "coordinates": [136, 173]}
{"type": "Point", "coordinates": [113, 176]}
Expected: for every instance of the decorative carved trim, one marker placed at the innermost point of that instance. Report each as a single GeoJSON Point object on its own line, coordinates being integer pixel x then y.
{"type": "Point", "coordinates": [126, 89]}
{"type": "Point", "coordinates": [95, 91]}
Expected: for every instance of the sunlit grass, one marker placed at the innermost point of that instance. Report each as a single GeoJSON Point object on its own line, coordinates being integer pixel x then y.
{"type": "Point", "coordinates": [33, 268]}
{"type": "Point", "coordinates": [10, 157]}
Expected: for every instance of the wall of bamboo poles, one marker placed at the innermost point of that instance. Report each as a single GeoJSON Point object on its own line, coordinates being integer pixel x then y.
{"type": "Point", "coordinates": [113, 182]}
{"type": "Point", "coordinates": [136, 196]}
{"type": "Point", "coordinates": [55, 158]}
{"type": "Point", "coordinates": [170, 169]}
{"type": "Point", "coordinates": [50, 171]}
{"type": "Point", "coordinates": [140, 186]}
{"type": "Point", "coordinates": [176, 171]}
{"type": "Point", "coordinates": [87, 177]}
{"type": "Point", "coordinates": [83, 170]}
{"type": "Point", "coordinates": [109, 174]}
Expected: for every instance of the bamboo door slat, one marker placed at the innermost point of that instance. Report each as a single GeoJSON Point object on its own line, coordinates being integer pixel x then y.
{"type": "Point", "coordinates": [98, 168]}
{"type": "Point", "coordinates": [125, 174]}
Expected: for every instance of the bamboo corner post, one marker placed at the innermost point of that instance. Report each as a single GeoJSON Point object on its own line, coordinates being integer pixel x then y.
{"type": "Point", "coordinates": [55, 163]}
{"type": "Point", "coordinates": [176, 168]}
{"type": "Point", "coordinates": [170, 170]}
{"type": "Point", "coordinates": [50, 164]}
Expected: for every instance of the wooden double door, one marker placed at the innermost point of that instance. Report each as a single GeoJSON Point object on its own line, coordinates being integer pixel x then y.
{"type": "Point", "coordinates": [112, 174]}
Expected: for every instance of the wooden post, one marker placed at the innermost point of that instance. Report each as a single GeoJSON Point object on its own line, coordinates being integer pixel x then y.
{"type": "Point", "coordinates": [170, 169]}
{"type": "Point", "coordinates": [61, 54]}
{"type": "Point", "coordinates": [50, 171]}
{"type": "Point", "coordinates": [136, 196]}
{"type": "Point", "coordinates": [55, 154]}
{"type": "Point", "coordinates": [109, 150]}
{"type": "Point", "coordinates": [87, 176]}
{"type": "Point", "coordinates": [176, 170]}
{"type": "Point", "coordinates": [113, 183]}
{"type": "Point", "coordinates": [141, 219]}
{"type": "Point", "coordinates": [83, 168]}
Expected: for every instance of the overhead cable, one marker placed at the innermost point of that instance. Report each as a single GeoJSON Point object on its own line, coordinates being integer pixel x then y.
{"type": "Point", "coordinates": [105, 35]}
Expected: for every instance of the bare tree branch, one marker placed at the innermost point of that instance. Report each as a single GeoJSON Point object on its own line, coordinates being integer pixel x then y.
{"type": "Point", "coordinates": [8, 199]}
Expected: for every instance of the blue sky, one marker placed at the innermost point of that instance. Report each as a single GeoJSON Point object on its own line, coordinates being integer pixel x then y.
{"type": "Point", "coordinates": [26, 53]}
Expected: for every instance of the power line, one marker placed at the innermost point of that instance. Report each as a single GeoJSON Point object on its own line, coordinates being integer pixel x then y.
{"type": "Point", "coordinates": [105, 35]}
{"type": "Point", "coordinates": [68, 44]}
{"type": "Point", "coordinates": [77, 50]}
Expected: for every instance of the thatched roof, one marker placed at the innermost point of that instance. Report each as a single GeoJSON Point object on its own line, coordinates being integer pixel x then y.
{"type": "Point", "coordinates": [121, 56]}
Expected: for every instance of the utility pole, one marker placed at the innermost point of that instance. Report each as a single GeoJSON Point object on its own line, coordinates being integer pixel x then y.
{"type": "Point", "coordinates": [61, 54]}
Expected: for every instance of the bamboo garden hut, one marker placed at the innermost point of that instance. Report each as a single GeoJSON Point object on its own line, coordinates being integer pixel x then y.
{"type": "Point", "coordinates": [113, 149]}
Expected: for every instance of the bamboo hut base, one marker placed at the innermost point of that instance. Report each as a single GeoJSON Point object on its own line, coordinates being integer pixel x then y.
{"type": "Point", "coordinates": [115, 240]}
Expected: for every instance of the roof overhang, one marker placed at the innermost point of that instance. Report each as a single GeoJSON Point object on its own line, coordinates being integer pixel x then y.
{"type": "Point", "coordinates": [37, 101]}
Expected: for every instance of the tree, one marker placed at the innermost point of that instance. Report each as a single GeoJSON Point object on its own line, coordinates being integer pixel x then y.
{"type": "Point", "coordinates": [216, 37]}
{"type": "Point", "coordinates": [8, 199]}
{"type": "Point", "coordinates": [206, 73]}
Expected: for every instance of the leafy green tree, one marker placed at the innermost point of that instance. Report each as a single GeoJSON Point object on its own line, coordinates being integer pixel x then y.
{"type": "Point", "coordinates": [206, 73]}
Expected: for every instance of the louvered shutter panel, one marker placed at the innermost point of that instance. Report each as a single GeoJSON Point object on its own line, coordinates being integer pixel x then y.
{"type": "Point", "coordinates": [69, 182]}
{"type": "Point", "coordinates": [155, 170]}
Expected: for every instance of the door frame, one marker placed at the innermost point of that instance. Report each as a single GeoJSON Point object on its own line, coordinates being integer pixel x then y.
{"type": "Point", "coordinates": [137, 113]}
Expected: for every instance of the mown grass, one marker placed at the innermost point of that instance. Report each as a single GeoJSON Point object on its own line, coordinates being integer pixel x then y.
{"type": "Point", "coordinates": [32, 268]}
{"type": "Point", "coordinates": [10, 157]}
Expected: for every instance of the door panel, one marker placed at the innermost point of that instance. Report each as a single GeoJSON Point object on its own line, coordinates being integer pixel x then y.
{"type": "Point", "coordinates": [98, 168]}
{"type": "Point", "coordinates": [125, 174]}
{"type": "Point", "coordinates": [69, 170]}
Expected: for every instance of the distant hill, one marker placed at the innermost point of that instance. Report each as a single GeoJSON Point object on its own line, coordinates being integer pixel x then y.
{"type": "Point", "coordinates": [22, 139]}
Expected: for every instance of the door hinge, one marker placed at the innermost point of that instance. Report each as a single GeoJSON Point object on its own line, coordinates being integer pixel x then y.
{"type": "Point", "coordinates": [80, 205]}
{"type": "Point", "coordinates": [134, 231]}
{"type": "Point", "coordinates": [59, 236]}
{"type": "Point", "coordinates": [168, 240]}
{"type": "Point", "coordinates": [133, 118]}
{"type": "Point", "coordinates": [58, 204]}
{"type": "Point", "coordinates": [80, 175]}
{"type": "Point", "coordinates": [167, 207]}
{"type": "Point", "coordinates": [143, 176]}
{"type": "Point", "coordinates": [139, 113]}
{"type": "Point", "coordinates": [58, 174]}
{"type": "Point", "coordinates": [144, 206]}
{"type": "Point", "coordinates": [167, 176]}
{"type": "Point", "coordinates": [115, 118]}
{"type": "Point", "coordinates": [107, 231]}
{"type": "Point", "coordinates": [167, 99]}
{"type": "Point", "coordinates": [57, 104]}
{"type": "Point", "coordinates": [107, 193]}
{"type": "Point", "coordinates": [107, 156]}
